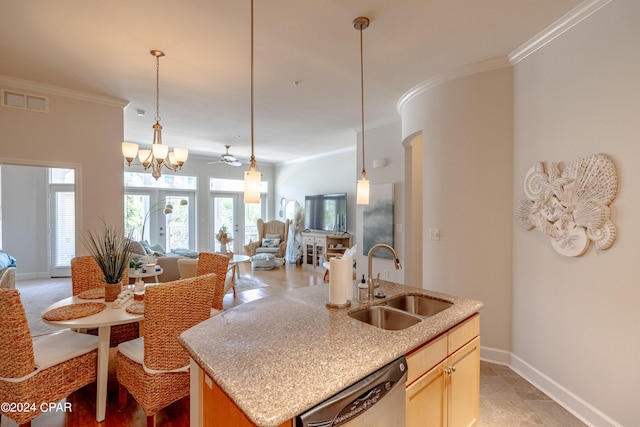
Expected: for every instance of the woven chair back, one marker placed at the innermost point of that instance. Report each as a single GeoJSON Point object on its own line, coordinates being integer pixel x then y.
{"type": "Point", "coordinates": [16, 348]}
{"type": "Point", "coordinates": [273, 227]}
{"type": "Point", "coordinates": [170, 309]}
{"type": "Point", "coordinates": [8, 278]}
{"type": "Point", "coordinates": [214, 263]}
{"type": "Point", "coordinates": [86, 274]}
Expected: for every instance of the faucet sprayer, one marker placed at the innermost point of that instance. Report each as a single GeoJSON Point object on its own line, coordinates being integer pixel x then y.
{"type": "Point", "coordinates": [396, 263]}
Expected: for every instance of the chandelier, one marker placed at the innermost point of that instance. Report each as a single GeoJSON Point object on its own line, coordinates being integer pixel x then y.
{"type": "Point", "coordinates": [252, 177]}
{"type": "Point", "coordinates": [156, 158]}
{"type": "Point", "coordinates": [362, 189]}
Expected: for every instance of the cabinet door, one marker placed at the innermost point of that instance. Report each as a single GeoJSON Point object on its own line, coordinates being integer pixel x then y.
{"type": "Point", "coordinates": [463, 389]}
{"type": "Point", "coordinates": [427, 399]}
{"type": "Point", "coordinates": [319, 252]}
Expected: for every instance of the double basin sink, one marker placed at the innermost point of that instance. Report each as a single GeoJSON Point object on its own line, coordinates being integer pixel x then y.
{"type": "Point", "coordinates": [401, 312]}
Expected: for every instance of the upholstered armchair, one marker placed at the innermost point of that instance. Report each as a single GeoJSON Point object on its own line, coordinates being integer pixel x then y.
{"type": "Point", "coordinates": [272, 239]}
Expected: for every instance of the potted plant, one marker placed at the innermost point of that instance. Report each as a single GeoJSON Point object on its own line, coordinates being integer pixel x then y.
{"type": "Point", "coordinates": [111, 249]}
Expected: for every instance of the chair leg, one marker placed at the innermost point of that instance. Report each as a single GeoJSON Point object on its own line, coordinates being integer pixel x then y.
{"type": "Point", "coordinates": [326, 276]}
{"type": "Point", "coordinates": [27, 424]}
{"type": "Point", "coordinates": [123, 395]}
{"type": "Point", "coordinates": [151, 420]}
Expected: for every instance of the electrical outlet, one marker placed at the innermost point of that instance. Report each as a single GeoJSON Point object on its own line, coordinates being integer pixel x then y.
{"type": "Point", "coordinates": [434, 234]}
{"type": "Point", "coordinates": [385, 274]}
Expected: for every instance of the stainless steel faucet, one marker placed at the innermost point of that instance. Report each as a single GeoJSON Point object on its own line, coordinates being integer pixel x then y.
{"type": "Point", "coordinates": [374, 248]}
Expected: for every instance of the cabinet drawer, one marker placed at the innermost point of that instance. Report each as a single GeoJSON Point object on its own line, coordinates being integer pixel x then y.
{"type": "Point", "coordinates": [463, 333]}
{"type": "Point", "coordinates": [308, 240]}
{"type": "Point", "coordinates": [426, 357]}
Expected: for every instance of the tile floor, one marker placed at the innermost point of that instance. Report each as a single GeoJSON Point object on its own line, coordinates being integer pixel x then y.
{"type": "Point", "coordinates": [508, 400]}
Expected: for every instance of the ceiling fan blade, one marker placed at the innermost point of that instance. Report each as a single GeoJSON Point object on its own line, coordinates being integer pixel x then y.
{"type": "Point", "coordinates": [236, 163]}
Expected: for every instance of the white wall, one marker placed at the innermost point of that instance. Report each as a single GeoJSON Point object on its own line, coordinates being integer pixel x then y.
{"type": "Point", "coordinates": [384, 143]}
{"type": "Point", "coordinates": [575, 320]}
{"type": "Point", "coordinates": [80, 131]}
{"type": "Point", "coordinates": [338, 173]}
{"type": "Point", "coordinates": [333, 173]}
{"type": "Point", "coordinates": [24, 219]}
{"type": "Point", "coordinates": [467, 130]}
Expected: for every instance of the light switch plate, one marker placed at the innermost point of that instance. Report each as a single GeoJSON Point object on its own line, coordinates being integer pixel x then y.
{"type": "Point", "coordinates": [434, 234]}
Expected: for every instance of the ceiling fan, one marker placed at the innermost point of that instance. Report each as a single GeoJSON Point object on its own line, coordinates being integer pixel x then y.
{"type": "Point", "coordinates": [227, 159]}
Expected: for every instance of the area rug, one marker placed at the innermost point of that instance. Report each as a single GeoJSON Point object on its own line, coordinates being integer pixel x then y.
{"type": "Point", "coordinates": [37, 295]}
{"type": "Point", "coordinates": [246, 283]}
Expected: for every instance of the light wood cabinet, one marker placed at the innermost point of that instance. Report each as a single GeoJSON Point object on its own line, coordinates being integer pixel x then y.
{"type": "Point", "coordinates": [443, 383]}
{"type": "Point", "coordinates": [218, 410]}
{"type": "Point", "coordinates": [316, 245]}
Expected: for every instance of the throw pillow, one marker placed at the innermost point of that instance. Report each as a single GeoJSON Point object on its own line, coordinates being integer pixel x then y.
{"type": "Point", "coordinates": [157, 249]}
{"type": "Point", "coordinates": [270, 243]}
{"type": "Point", "coordinates": [146, 246]}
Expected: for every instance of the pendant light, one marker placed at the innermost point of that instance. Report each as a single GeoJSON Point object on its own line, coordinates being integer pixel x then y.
{"type": "Point", "coordinates": [252, 177]}
{"type": "Point", "coordinates": [156, 158]}
{"type": "Point", "coordinates": [362, 188]}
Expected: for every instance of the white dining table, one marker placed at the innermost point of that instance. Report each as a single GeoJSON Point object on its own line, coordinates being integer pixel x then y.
{"type": "Point", "coordinates": [103, 321]}
{"type": "Point", "coordinates": [235, 260]}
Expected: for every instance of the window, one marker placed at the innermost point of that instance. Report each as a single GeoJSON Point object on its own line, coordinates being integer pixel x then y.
{"type": "Point", "coordinates": [161, 212]}
{"type": "Point", "coordinates": [62, 219]}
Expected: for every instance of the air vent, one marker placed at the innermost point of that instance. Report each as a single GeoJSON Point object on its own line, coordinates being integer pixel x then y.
{"type": "Point", "coordinates": [25, 101]}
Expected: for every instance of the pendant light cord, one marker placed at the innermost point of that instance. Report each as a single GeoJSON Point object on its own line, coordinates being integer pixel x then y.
{"type": "Point", "coordinates": [157, 88]}
{"type": "Point", "coordinates": [364, 172]}
{"type": "Point", "coordinates": [253, 159]}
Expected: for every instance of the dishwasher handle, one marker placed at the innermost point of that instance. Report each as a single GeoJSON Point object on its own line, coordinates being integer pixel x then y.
{"type": "Point", "coordinates": [357, 398]}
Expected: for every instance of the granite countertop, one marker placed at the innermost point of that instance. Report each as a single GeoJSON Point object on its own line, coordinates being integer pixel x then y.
{"type": "Point", "coordinates": [279, 356]}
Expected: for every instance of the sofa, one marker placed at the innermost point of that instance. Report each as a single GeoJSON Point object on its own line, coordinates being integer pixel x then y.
{"type": "Point", "coordinates": [7, 271]}
{"type": "Point", "coordinates": [167, 261]}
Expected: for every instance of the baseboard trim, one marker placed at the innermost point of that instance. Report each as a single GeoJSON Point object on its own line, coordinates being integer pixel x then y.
{"type": "Point", "coordinates": [581, 409]}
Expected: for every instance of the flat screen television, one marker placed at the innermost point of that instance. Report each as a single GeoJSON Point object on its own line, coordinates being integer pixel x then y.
{"type": "Point", "coordinates": [326, 212]}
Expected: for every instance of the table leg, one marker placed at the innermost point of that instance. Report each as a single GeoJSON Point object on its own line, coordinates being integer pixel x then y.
{"type": "Point", "coordinates": [104, 334]}
{"type": "Point", "coordinates": [237, 268]}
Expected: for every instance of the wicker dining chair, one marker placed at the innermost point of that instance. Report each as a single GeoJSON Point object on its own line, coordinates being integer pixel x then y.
{"type": "Point", "coordinates": [8, 278]}
{"type": "Point", "coordinates": [47, 370]}
{"type": "Point", "coordinates": [155, 368]}
{"type": "Point", "coordinates": [225, 277]}
{"type": "Point", "coordinates": [86, 275]}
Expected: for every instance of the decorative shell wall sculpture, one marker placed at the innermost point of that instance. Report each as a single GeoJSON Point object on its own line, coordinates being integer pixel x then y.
{"type": "Point", "coordinates": [572, 206]}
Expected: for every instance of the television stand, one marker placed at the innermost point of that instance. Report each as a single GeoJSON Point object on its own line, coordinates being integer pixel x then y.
{"type": "Point", "coordinates": [315, 244]}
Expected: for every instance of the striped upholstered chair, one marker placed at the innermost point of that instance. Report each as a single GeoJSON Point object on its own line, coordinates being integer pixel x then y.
{"type": "Point", "coordinates": [46, 370]}
{"type": "Point", "coordinates": [86, 275]}
{"type": "Point", "coordinates": [155, 368]}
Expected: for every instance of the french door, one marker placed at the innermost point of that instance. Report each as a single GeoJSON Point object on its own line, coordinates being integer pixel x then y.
{"type": "Point", "coordinates": [161, 217]}
{"type": "Point", "coordinates": [228, 210]}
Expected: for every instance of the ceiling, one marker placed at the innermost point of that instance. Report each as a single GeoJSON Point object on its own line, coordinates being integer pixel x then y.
{"type": "Point", "coordinates": [306, 61]}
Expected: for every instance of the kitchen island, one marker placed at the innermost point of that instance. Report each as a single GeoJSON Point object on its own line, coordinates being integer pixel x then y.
{"type": "Point", "coordinates": [279, 356]}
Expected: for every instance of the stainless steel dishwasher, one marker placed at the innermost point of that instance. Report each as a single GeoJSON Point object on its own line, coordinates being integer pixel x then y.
{"type": "Point", "coordinates": [377, 400]}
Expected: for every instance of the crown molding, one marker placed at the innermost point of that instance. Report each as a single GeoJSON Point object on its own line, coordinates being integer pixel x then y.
{"type": "Point", "coordinates": [466, 70]}
{"type": "Point", "coordinates": [28, 85]}
{"type": "Point", "coordinates": [318, 156]}
{"type": "Point", "coordinates": [572, 18]}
